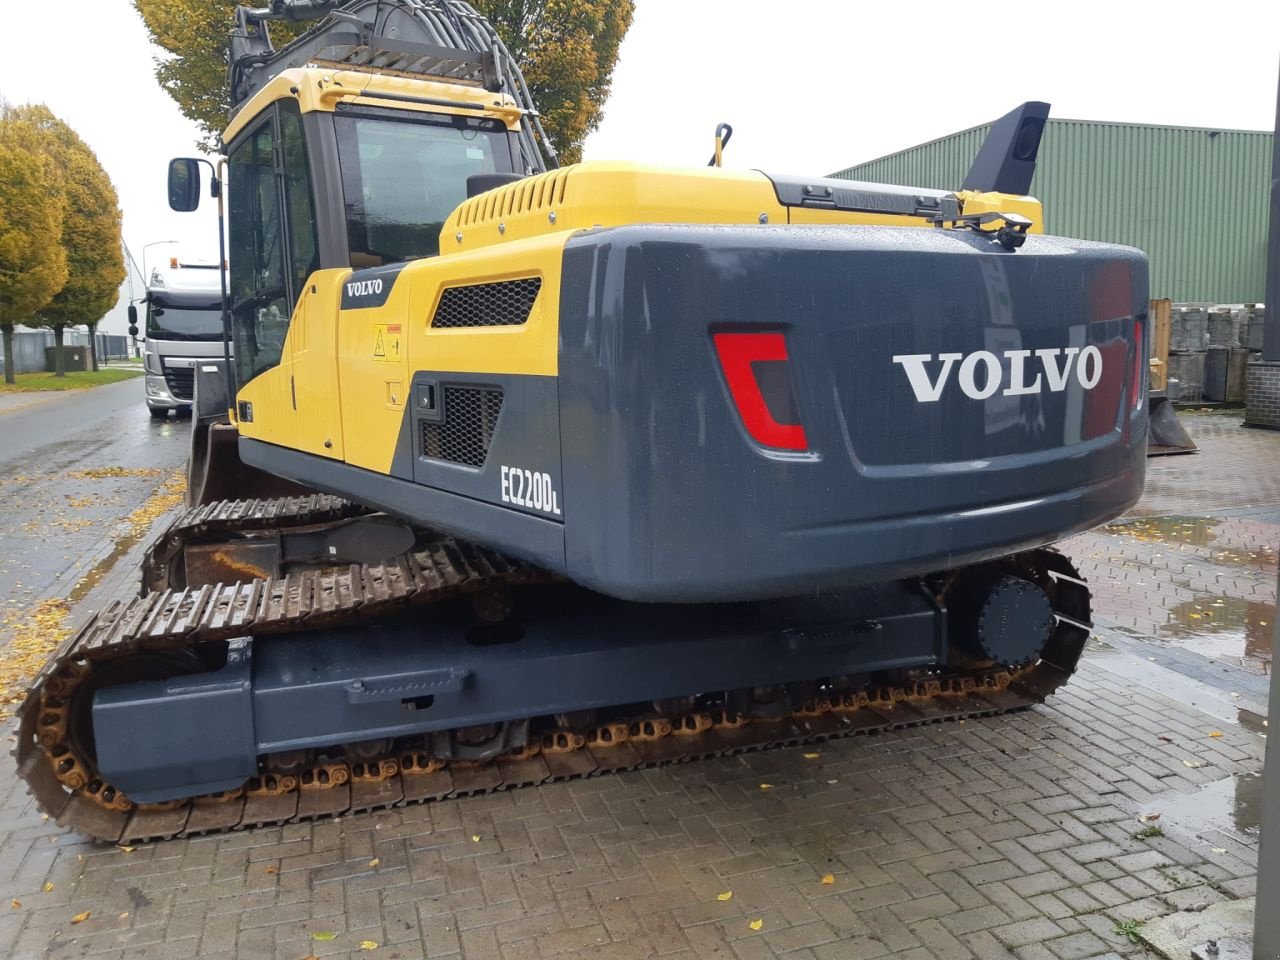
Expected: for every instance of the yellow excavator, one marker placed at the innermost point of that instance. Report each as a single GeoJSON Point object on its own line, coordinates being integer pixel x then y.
{"type": "Point", "coordinates": [525, 472]}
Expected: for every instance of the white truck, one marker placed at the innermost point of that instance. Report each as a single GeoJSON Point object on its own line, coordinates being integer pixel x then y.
{"type": "Point", "coordinates": [183, 327]}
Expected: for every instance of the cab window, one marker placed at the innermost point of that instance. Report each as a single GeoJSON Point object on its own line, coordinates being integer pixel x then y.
{"type": "Point", "coordinates": [272, 236]}
{"type": "Point", "coordinates": [404, 172]}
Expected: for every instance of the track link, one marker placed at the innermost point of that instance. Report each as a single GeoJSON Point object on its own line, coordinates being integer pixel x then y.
{"type": "Point", "coordinates": [66, 786]}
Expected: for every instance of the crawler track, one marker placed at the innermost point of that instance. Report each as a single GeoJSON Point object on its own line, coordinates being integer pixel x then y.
{"type": "Point", "coordinates": [176, 622]}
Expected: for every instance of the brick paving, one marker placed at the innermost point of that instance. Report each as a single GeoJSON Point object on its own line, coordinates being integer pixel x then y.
{"type": "Point", "coordinates": [1007, 837]}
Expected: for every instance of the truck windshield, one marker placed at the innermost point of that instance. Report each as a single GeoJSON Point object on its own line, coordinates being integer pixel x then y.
{"type": "Point", "coordinates": [190, 322]}
{"type": "Point", "coordinates": [404, 172]}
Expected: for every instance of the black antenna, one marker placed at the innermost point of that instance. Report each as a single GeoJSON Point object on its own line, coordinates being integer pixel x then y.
{"type": "Point", "coordinates": [1007, 160]}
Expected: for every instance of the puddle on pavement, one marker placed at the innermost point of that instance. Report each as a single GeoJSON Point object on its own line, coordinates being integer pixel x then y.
{"type": "Point", "coordinates": [1232, 806]}
{"type": "Point", "coordinates": [1225, 628]}
{"type": "Point", "coordinates": [1194, 532]}
{"type": "Point", "coordinates": [101, 568]}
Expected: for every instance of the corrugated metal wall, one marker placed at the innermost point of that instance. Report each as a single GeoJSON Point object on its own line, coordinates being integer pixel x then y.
{"type": "Point", "coordinates": [1194, 199]}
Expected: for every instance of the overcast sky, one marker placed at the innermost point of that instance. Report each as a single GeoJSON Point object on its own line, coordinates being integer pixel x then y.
{"type": "Point", "coordinates": [810, 86]}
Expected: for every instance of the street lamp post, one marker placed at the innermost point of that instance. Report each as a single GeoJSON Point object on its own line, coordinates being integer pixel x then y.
{"type": "Point", "coordinates": [147, 246]}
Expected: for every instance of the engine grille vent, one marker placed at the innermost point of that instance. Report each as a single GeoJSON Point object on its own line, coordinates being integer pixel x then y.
{"type": "Point", "coordinates": [181, 381]}
{"type": "Point", "coordinates": [463, 436]}
{"type": "Point", "coordinates": [531, 195]}
{"type": "Point", "coordinates": [503, 304]}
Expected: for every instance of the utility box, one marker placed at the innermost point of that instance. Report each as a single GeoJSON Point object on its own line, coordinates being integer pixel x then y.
{"type": "Point", "coordinates": [73, 358]}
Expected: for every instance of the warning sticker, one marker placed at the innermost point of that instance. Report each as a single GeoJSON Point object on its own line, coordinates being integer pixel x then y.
{"type": "Point", "coordinates": [386, 342]}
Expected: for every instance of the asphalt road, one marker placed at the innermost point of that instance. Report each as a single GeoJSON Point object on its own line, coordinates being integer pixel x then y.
{"type": "Point", "coordinates": [73, 469]}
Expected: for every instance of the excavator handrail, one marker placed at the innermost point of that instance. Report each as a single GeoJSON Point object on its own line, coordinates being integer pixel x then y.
{"type": "Point", "coordinates": [442, 39]}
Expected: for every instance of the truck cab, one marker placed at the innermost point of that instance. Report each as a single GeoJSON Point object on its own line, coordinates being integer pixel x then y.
{"type": "Point", "coordinates": [183, 327]}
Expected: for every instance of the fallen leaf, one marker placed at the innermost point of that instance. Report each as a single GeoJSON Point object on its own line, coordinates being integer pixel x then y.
{"type": "Point", "coordinates": [766, 786]}
{"type": "Point", "coordinates": [1216, 733]}
{"type": "Point", "coordinates": [81, 917]}
{"type": "Point", "coordinates": [48, 887]}
{"type": "Point", "coordinates": [811, 756]}
{"type": "Point", "coordinates": [324, 936]}
{"type": "Point", "coordinates": [123, 916]}
{"type": "Point", "coordinates": [374, 862]}
{"type": "Point", "coordinates": [756, 924]}
{"type": "Point", "coordinates": [368, 944]}
{"type": "Point", "coordinates": [124, 849]}
{"type": "Point", "coordinates": [828, 879]}
{"type": "Point", "coordinates": [15, 904]}
{"type": "Point", "coordinates": [475, 838]}
{"type": "Point", "coordinates": [727, 895]}
{"type": "Point", "coordinates": [271, 868]}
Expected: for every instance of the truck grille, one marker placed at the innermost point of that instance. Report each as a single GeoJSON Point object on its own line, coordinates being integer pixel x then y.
{"type": "Point", "coordinates": [463, 436]}
{"type": "Point", "coordinates": [503, 304]}
{"type": "Point", "coordinates": [181, 381]}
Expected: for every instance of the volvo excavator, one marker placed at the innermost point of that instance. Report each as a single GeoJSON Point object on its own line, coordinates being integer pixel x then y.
{"type": "Point", "coordinates": [525, 472]}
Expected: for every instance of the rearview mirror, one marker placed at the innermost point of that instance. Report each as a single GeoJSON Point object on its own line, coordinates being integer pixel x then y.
{"type": "Point", "coordinates": [184, 185]}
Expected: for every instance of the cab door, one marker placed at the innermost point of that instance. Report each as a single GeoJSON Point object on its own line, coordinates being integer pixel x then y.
{"type": "Point", "coordinates": [313, 379]}
{"type": "Point", "coordinates": [285, 361]}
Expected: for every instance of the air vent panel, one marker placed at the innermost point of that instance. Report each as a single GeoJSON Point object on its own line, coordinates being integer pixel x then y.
{"type": "Point", "coordinates": [507, 303]}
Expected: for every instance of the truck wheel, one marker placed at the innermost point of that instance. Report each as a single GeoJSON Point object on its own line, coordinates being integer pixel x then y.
{"type": "Point", "coordinates": [158, 413]}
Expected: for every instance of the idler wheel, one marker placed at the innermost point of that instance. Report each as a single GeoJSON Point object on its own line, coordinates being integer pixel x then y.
{"type": "Point", "coordinates": [1001, 618]}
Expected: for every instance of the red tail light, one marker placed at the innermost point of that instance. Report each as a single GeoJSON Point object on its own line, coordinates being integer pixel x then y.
{"type": "Point", "coordinates": [738, 352]}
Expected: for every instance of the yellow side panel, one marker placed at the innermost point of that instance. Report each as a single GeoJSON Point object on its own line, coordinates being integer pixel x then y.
{"type": "Point", "coordinates": [313, 338]}
{"type": "Point", "coordinates": [372, 376]}
{"type": "Point", "coordinates": [376, 369]}
{"type": "Point", "coordinates": [272, 398]}
{"type": "Point", "coordinates": [531, 348]}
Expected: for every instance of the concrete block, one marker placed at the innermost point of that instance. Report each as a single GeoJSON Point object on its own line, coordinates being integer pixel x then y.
{"type": "Point", "coordinates": [1237, 375]}
{"type": "Point", "coordinates": [1188, 370]}
{"type": "Point", "coordinates": [1215, 374]}
{"type": "Point", "coordinates": [1222, 327]}
{"type": "Point", "coordinates": [1177, 935]}
{"type": "Point", "coordinates": [1188, 329]}
{"type": "Point", "coordinates": [1251, 334]}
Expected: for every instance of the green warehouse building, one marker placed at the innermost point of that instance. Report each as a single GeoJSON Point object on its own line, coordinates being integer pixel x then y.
{"type": "Point", "coordinates": [1194, 198]}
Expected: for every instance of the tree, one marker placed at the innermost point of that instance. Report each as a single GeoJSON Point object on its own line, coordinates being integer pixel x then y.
{"type": "Point", "coordinates": [90, 234]}
{"type": "Point", "coordinates": [33, 262]}
{"type": "Point", "coordinates": [566, 48]}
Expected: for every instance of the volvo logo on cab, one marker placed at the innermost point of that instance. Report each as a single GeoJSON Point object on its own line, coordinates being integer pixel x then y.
{"type": "Point", "coordinates": [364, 288]}
{"type": "Point", "coordinates": [982, 374]}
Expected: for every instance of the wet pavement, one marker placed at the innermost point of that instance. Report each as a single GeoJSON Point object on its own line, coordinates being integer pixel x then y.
{"type": "Point", "coordinates": [1132, 794]}
{"type": "Point", "coordinates": [77, 473]}
{"type": "Point", "coordinates": [1193, 569]}
{"type": "Point", "coordinates": [12, 402]}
